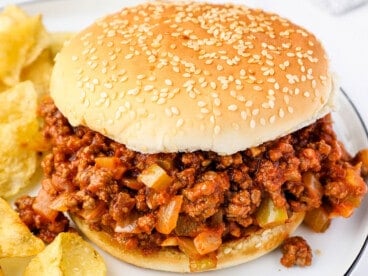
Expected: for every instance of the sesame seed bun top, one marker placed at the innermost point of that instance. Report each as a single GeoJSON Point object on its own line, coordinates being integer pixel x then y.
{"type": "Point", "coordinates": [167, 77]}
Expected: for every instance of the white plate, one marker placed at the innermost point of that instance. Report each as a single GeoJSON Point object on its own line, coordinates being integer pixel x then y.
{"type": "Point", "coordinates": [336, 252]}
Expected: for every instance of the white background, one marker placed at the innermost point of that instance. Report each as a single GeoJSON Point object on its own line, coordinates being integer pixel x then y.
{"type": "Point", "coordinates": [345, 38]}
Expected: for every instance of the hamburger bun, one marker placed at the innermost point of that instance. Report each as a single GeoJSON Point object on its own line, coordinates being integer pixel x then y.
{"type": "Point", "coordinates": [194, 82]}
{"type": "Point", "coordinates": [171, 259]}
{"type": "Point", "coordinates": [181, 77]}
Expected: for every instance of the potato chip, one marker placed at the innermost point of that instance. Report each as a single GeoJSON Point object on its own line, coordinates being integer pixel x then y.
{"type": "Point", "coordinates": [22, 39]}
{"type": "Point", "coordinates": [39, 72]}
{"type": "Point", "coordinates": [3, 87]}
{"type": "Point", "coordinates": [19, 135]}
{"type": "Point", "coordinates": [57, 41]}
{"type": "Point", "coordinates": [67, 255]}
{"type": "Point", "coordinates": [14, 266]}
{"type": "Point", "coordinates": [15, 238]}
{"type": "Point", "coordinates": [1, 272]}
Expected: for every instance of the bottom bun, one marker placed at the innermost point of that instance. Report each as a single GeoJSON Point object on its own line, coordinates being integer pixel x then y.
{"type": "Point", "coordinates": [170, 259]}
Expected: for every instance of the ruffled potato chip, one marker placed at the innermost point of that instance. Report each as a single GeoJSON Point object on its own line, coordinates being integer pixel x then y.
{"type": "Point", "coordinates": [20, 138]}
{"type": "Point", "coordinates": [57, 41]}
{"type": "Point", "coordinates": [39, 72]}
{"type": "Point", "coordinates": [14, 266]}
{"type": "Point", "coordinates": [67, 255]}
{"type": "Point", "coordinates": [22, 39]}
{"type": "Point", "coordinates": [15, 238]}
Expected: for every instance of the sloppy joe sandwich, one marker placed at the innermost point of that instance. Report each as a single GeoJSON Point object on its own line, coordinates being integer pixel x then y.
{"type": "Point", "coordinates": [192, 136]}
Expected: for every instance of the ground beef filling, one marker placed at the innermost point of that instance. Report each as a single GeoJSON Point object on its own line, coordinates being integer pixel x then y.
{"type": "Point", "coordinates": [296, 251]}
{"type": "Point", "coordinates": [215, 196]}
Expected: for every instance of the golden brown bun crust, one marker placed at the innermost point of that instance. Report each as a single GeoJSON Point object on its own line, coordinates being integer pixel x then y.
{"type": "Point", "coordinates": [167, 77]}
{"type": "Point", "coordinates": [169, 259]}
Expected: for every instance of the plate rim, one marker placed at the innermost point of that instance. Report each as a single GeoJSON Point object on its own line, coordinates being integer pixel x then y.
{"type": "Point", "coordinates": [365, 129]}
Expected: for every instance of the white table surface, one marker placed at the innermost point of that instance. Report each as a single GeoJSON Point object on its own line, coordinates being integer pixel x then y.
{"type": "Point", "coordinates": [345, 38]}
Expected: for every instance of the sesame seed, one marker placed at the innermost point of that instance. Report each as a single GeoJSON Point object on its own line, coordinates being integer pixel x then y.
{"type": "Point", "coordinates": [248, 103]}
{"type": "Point", "coordinates": [179, 122]}
{"type": "Point", "coordinates": [123, 79]}
{"type": "Point", "coordinates": [168, 82]}
{"type": "Point", "coordinates": [262, 121]}
{"type": "Point", "coordinates": [148, 88]}
{"type": "Point", "coordinates": [252, 123]}
{"type": "Point", "coordinates": [129, 56]}
{"type": "Point", "coordinates": [281, 113]}
{"type": "Point", "coordinates": [232, 107]}
{"type": "Point", "coordinates": [133, 91]}
{"type": "Point", "coordinates": [168, 112]}
{"type": "Point", "coordinates": [286, 99]}
{"type": "Point", "coordinates": [161, 101]}
{"type": "Point", "coordinates": [272, 119]}
{"type": "Point", "coordinates": [212, 119]}
{"type": "Point", "coordinates": [204, 110]}
{"type": "Point", "coordinates": [217, 102]}
{"type": "Point", "coordinates": [201, 103]}
{"type": "Point", "coordinates": [240, 98]}
{"type": "Point", "coordinates": [192, 94]}
{"type": "Point", "coordinates": [217, 129]}
{"type": "Point", "coordinates": [314, 83]}
{"type": "Point", "coordinates": [175, 110]}
{"type": "Point", "coordinates": [107, 102]}
{"type": "Point", "coordinates": [255, 112]}
{"type": "Point", "coordinates": [127, 104]}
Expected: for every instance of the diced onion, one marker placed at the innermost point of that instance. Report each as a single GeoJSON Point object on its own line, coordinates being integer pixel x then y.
{"type": "Point", "coordinates": [207, 241]}
{"type": "Point", "coordinates": [268, 215]}
{"type": "Point", "coordinates": [168, 215]}
{"type": "Point", "coordinates": [317, 219]}
{"type": "Point", "coordinates": [155, 177]}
